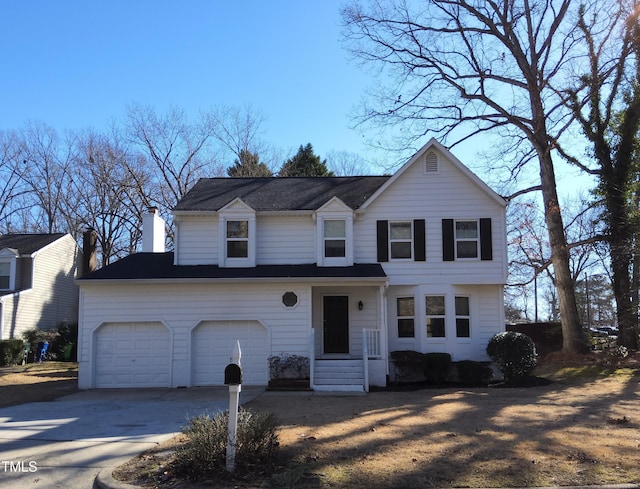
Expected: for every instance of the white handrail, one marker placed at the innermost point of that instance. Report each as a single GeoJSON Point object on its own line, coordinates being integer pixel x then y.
{"type": "Point", "coordinates": [365, 358]}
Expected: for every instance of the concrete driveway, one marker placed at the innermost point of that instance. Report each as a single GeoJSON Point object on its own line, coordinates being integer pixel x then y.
{"type": "Point", "coordinates": [65, 443]}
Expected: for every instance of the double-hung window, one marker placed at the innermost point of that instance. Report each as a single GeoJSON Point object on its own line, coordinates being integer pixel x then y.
{"type": "Point", "coordinates": [400, 239]}
{"type": "Point", "coordinates": [5, 275]}
{"type": "Point", "coordinates": [467, 239]}
{"type": "Point", "coordinates": [237, 239]}
{"type": "Point", "coordinates": [405, 317]}
{"type": "Point", "coordinates": [435, 311]}
{"type": "Point", "coordinates": [335, 238]}
{"type": "Point", "coordinates": [463, 317]}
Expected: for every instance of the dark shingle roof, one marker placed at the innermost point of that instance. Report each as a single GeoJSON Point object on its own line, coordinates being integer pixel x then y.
{"type": "Point", "coordinates": [279, 193]}
{"type": "Point", "coordinates": [27, 244]}
{"type": "Point", "coordinates": [158, 266]}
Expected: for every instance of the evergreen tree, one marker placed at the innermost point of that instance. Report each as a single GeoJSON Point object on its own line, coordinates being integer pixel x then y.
{"type": "Point", "coordinates": [305, 163]}
{"type": "Point", "coordinates": [248, 165]}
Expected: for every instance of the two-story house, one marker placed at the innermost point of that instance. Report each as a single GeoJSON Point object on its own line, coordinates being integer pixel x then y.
{"type": "Point", "coordinates": [342, 270]}
{"type": "Point", "coordinates": [37, 288]}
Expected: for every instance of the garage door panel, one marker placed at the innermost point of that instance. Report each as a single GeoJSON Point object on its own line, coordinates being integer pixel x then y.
{"type": "Point", "coordinates": [213, 343]}
{"type": "Point", "coordinates": [133, 355]}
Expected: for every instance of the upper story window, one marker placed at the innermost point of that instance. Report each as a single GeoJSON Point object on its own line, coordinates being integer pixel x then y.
{"type": "Point", "coordinates": [400, 239]}
{"type": "Point", "coordinates": [5, 275]}
{"type": "Point", "coordinates": [335, 238]}
{"type": "Point", "coordinates": [435, 311]}
{"type": "Point", "coordinates": [466, 239]}
{"type": "Point", "coordinates": [237, 238]}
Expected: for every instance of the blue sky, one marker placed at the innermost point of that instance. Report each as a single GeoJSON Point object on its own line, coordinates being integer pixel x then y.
{"type": "Point", "coordinates": [74, 64]}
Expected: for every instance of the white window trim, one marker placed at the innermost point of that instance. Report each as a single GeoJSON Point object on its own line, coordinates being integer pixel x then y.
{"type": "Point", "coordinates": [411, 240]}
{"type": "Point", "coordinates": [408, 339]}
{"type": "Point", "coordinates": [456, 240]}
{"type": "Point", "coordinates": [435, 339]}
{"type": "Point", "coordinates": [324, 261]}
{"type": "Point", "coordinates": [250, 260]}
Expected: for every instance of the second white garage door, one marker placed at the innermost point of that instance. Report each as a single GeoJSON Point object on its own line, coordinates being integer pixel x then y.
{"type": "Point", "coordinates": [132, 355]}
{"type": "Point", "coordinates": [213, 343]}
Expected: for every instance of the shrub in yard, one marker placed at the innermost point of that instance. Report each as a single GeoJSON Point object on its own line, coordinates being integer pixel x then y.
{"type": "Point", "coordinates": [11, 352]}
{"type": "Point", "coordinates": [473, 373]}
{"type": "Point", "coordinates": [63, 344]}
{"type": "Point", "coordinates": [436, 367]}
{"type": "Point", "coordinates": [204, 453]}
{"type": "Point", "coordinates": [514, 353]}
{"type": "Point", "coordinates": [285, 366]}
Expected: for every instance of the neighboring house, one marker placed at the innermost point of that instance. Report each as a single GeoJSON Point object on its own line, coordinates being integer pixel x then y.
{"type": "Point", "coordinates": [342, 270]}
{"type": "Point", "coordinates": [37, 282]}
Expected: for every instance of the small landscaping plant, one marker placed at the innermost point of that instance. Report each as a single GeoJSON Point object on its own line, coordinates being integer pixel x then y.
{"type": "Point", "coordinates": [204, 454]}
{"type": "Point", "coordinates": [285, 366]}
{"type": "Point", "coordinates": [436, 367]}
{"type": "Point", "coordinates": [515, 355]}
{"type": "Point", "coordinates": [11, 352]}
{"type": "Point", "coordinates": [473, 373]}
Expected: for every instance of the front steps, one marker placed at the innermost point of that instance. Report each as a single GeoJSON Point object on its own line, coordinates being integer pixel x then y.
{"type": "Point", "coordinates": [339, 375]}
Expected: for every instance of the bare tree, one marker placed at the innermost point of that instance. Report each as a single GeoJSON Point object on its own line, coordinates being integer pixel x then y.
{"type": "Point", "coordinates": [346, 163]}
{"type": "Point", "coordinates": [471, 67]}
{"type": "Point", "coordinates": [606, 102]}
{"type": "Point", "coordinates": [42, 163]}
{"type": "Point", "coordinates": [179, 151]}
{"type": "Point", "coordinates": [9, 180]}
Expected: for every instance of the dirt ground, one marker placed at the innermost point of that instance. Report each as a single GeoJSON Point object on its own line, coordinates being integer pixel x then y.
{"type": "Point", "coordinates": [35, 382]}
{"type": "Point", "coordinates": [583, 428]}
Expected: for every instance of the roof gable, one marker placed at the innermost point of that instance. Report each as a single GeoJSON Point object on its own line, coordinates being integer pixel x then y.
{"type": "Point", "coordinates": [279, 193]}
{"type": "Point", "coordinates": [418, 158]}
{"type": "Point", "coordinates": [27, 244]}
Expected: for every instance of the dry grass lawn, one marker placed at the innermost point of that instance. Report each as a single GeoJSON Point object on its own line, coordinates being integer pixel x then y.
{"type": "Point", "coordinates": [582, 429]}
{"type": "Point", "coordinates": [35, 382]}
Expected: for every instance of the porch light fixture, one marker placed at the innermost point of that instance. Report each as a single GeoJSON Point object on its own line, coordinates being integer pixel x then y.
{"type": "Point", "coordinates": [360, 305]}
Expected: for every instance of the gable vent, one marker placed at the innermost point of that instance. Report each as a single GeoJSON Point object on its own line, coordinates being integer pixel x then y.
{"type": "Point", "coordinates": [430, 162]}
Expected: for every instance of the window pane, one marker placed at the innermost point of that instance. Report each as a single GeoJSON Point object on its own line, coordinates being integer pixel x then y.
{"type": "Point", "coordinates": [400, 230]}
{"type": "Point", "coordinates": [405, 306]}
{"type": "Point", "coordinates": [5, 268]}
{"type": "Point", "coordinates": [237, 249]}
{"type": "Point", "coordinates": [405, 328]}
{"type": "Point", "coordinates": [401, 249]}
{"type": "Point", "coordinates": [462, 328]}
{"type": "Point", "coordinates": [462, 306]}
{"type": "Point", "coordinates": [237, 229]}
{"type": "Point", "coordinates": [334, 229]}
{"type": "Point", "coordinates": [466, 229]}
{"type": "Point", "coordinates": [467, 249]}
{"type": "Point", "coordinates": [4, 281]}
{"type": "Point", "coordinates": [435, 305]}
{"type": "Point", "coordinates": [334, 248]}
{"type": "Point", "coordinates": [435, 327]}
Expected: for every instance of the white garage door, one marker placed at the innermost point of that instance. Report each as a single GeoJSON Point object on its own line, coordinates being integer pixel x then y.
{"type": "Point", "coordinates": [132, 355]}
{"type": "Point", "coordinates": [212, 345]}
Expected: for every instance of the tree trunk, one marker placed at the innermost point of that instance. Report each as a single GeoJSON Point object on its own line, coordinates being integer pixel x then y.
{"type": "Point", "coordinates": [572, 337]}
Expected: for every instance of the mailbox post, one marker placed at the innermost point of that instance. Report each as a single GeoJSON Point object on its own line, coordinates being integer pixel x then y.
{"type": "Point", "coordinates": [233, 378]}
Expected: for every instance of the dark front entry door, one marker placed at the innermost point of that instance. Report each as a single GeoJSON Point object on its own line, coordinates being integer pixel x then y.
{"type": "Point", "coordinates": [336, 324]}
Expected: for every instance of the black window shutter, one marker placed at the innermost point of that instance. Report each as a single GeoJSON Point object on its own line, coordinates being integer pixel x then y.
{"type": "Point", "coordinates": [486, 247]}
{"type": "Point", "coordinates": [447, 240]}
{"type": "Point", "coordinates": [419, 251]}
{"type": "Point", "coordinates": [382, 228]}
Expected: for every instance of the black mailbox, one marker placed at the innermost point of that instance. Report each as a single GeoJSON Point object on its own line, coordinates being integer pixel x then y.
{"type": "Point", "coordinates": [233, 374]}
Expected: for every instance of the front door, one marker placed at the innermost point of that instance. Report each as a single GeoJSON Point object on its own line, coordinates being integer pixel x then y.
{"type": "Point", "coordinates": [335, 311]}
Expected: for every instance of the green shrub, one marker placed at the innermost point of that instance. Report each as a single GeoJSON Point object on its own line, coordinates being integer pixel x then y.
{"type": "Point", "coordinates": [204, 454]}
{"type": "Point", "coordinates": [473, 373]}
{"type": "Point", "coordinates": [514, 353]}
{"type": "Point", "coordinates": [285, 366]}
{"type": "Point", "coordinates": [11, 352]}
{"type": "Point", "coordinates": [436, 367]}
{"type": "Point", "coordinates": [63, 343]}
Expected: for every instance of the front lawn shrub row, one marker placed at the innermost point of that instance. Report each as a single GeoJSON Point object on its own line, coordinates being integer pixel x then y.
{"type": "Point", "coordinates": [438, 368]}
{"type": "Point", "coordinates": [62, 342]}
{"type": "Point", "coordinates": [204, 454]}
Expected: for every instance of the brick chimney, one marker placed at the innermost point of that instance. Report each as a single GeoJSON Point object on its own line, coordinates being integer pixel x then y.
{"type": "Point", "coordinates": [89, 251]}
{"type": "Point", "coordinates": [153, 231]}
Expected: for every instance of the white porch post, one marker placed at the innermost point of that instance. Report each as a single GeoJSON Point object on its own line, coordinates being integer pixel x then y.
{"type": "Point", "coordinates": [384, 341]}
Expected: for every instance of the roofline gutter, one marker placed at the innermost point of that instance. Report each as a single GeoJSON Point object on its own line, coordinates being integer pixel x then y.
{"type": "Point", "coordinates": [214, 281]}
